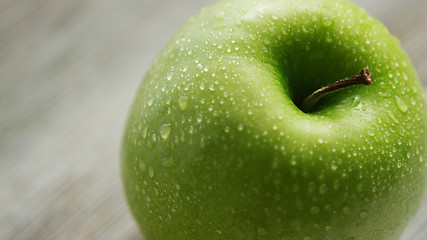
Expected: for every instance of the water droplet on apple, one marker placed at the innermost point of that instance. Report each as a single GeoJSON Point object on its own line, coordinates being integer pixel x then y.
{"type": "Point", "coordinates": [202, 86]}
{"type": "Point", "coordinates": [356, 102]}
{"type": "Point", "coordinates": [391, 115]}
{"type": "Point", "coordinates": [227, 129]}
{"type": "Point", "coordinates": [403, 107]}
{"type": "Point", "coordinates": [199, 118]}
{"type": "Point", "coordinates": [144, 133]}
{"type": "Point", "coordinates": [240, 127]}
{"type": "Point", "coordinates": [150, 102]}
{"type": "Point", "coordinates": [212, 88]}
{"type": "Point", "coordinates": [326, 22]}
{"type": "Point", "coordinates": [142, 166]}
{"type": "Point", "coordinates": [169, 161]}
{"type": "Point", "coordinates": [220, 16]}
{"type": "Point", "coordinates": [304, 29]}
{"type": "Point", "coordinates": [218, 26]}
{"type": "Point", "coordinates": [323, 188]}
{"type": "Point", "coordinates": [334, 166]}
{"type": "Point", "coordinates": [191, 129]}
{"type": "Point", "coordinates": [293, 160]}
{"type": "Point", "coordinates": [169, 76]}
{"type": "Point", "coordinates": [185, 69]}
{"type": "Point", "coordinates": [151, 172]}
{"type": "Point", "coordinates": [314, 210]}
{"type": "Point", "coordinates": [165, 130]}
{"type": "Point", "coordinates": [371, 133]}
{"type": "Point", "coordinates": [183, 102]}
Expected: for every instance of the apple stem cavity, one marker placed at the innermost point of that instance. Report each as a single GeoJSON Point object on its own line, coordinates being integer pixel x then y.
{"type": "Point", "coordinates": [364, 77]}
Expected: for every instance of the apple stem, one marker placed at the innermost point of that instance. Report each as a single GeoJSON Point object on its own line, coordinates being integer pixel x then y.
{"type": "Point", "coordinates": [364, 77]}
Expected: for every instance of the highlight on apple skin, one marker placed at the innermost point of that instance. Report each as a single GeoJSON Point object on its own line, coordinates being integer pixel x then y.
{"type": "Point", "coordinates": [216, 146]}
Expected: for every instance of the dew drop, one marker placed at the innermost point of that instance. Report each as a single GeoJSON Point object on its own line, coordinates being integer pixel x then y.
{"type": "Point", "coordinates": [346, 210]}
{"type": "Point", "coordinates": [334, 166]}
{"type": "Point", "coordinates": [151, 172]}
{"type": "Point", "coordinates": [227, 129]}
{"type": "Point", "coordinates": [314, 210]}
{"type": "Point", "coordinates": [168, 161]}
{"type": "Point", "coordinates": [304, 29]}
{"type": "Point", "coordinates": [144, 133]}
{"type": "Point", "coordinates": [218, 26]}
{"type": "Point", "coordinates": [356, 102]}
{"type": "Point", "coordinates": [183, 102]}
{"type": "Point", "coordinates": [142, 166]}
{"type": "Point", "coordinates": [185, 69]}
{"type": "Point", "coordinates": [391, 115]}
{"type": "Point", "coordinates": [363, 214]}
{"type": "Point", "coordinates": [403, 107]}
{"type": "Point", "coordinates": [169, 76]}
{"type": "Point", "coordinates": [165, 130]}
{"type": "Point", "coordinates": [323, 188]}
{"type": "Point", "coordinates": [326, 22]}
{"type": "Point", "coordinates": [199, 118]}
{"type": "Point", "coordinates": [220, 16]}
{"type": "Point", "coordinates": [150, 102]}
{"type": "Point", "coordinates": [293, 160]}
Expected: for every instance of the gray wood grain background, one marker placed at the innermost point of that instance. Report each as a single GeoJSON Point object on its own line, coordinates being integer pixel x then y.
{"type": "Point", "coordinates": [68, 73]}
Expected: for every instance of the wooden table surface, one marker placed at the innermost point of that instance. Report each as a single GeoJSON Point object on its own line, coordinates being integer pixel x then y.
{"type": "Point", "coordinates": [68, 73]}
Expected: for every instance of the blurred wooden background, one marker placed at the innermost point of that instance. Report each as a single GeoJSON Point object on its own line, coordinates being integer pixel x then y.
{"type": "Point", "coordinates": [68, 73]}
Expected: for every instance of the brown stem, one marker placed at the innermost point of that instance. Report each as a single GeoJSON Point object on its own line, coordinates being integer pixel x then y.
{"type": "Point", "coordinates": [364, 77]}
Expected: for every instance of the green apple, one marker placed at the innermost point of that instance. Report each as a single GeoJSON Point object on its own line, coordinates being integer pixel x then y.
{"type": "Point", "coordinates": [217, 146]}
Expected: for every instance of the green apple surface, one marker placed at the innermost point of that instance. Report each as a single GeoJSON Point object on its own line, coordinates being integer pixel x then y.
{"type": "Point", "coordinates": [216, 146]}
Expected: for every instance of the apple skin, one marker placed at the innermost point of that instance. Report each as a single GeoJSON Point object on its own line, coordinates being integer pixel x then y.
{"type": "Point", "coordinates": [216, 148]}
